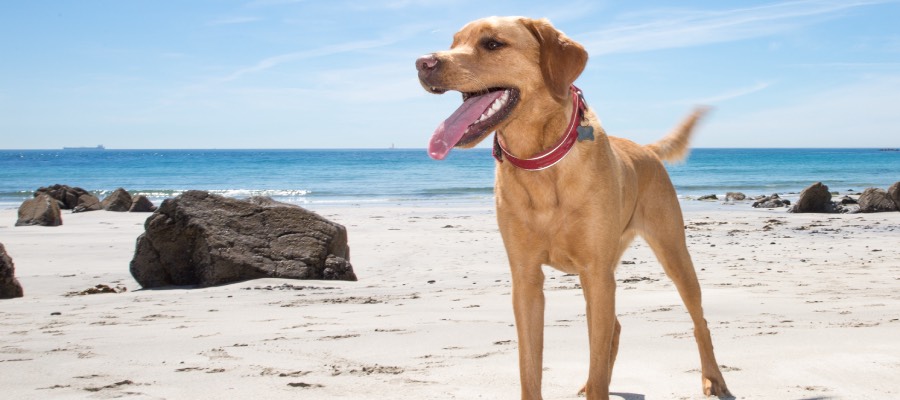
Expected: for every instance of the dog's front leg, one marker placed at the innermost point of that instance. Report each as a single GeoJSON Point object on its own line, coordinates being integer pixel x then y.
{"type": "Point", "coordinates": [599, 288]}
{"type": "Point", "coordinates": [528, 306]}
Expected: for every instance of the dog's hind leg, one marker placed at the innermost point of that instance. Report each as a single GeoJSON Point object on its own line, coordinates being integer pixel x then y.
{"type": "Point", "coordinates": [663, 229]}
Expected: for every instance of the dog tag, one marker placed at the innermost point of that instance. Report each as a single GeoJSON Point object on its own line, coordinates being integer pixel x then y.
{"type": "Point", "coordinates": [585, 133]}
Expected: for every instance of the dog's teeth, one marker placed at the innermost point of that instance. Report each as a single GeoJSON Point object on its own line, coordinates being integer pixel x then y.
{"type": "Point", "coordinates": [505, 96]}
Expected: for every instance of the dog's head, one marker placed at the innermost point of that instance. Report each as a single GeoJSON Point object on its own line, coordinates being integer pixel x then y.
{"type": "Point", "coordinates": [503, 66]}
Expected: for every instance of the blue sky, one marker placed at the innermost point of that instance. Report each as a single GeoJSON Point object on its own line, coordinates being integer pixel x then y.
{"type": "Point", "coordinates": [340, 73]}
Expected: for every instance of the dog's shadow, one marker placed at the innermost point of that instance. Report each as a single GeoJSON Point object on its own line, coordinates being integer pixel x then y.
{"type": "Point", "coordinates": [627, 396]}
{"type": "Point", "coordinates": [635, 396]}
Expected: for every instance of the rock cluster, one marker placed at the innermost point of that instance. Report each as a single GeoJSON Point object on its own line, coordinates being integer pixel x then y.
{"type": "Point", "coordinates": [44, 208]}
{"type": "Point", "coordinates": [773, 201]}
{"type": "Point", "coordinates": [204, 239]}
{"type": "Point", "coordinates": [816, 198]}
{"type": "Point", "coordinates": [70, 198]}
{"type": "Point", "coordinates": [121, 201]}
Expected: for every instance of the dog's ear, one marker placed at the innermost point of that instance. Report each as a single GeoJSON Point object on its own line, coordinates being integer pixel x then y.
{"type": "Point", "coordinates": [562, 59]}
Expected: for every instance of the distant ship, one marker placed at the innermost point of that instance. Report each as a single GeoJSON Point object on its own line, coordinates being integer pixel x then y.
{"type": "Point", "coordinates": [98, 147]}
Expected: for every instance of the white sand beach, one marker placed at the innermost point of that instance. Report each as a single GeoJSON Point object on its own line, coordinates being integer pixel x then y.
{"type": "Point", "coordinates": [801, 306]}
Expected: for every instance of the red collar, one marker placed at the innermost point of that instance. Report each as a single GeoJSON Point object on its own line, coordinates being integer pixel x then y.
{"type": "Point", "coordinates": [555, 154]}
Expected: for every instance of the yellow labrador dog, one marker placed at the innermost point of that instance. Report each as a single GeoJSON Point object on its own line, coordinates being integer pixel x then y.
{"type": "Point", "coordinates": [567, 195]}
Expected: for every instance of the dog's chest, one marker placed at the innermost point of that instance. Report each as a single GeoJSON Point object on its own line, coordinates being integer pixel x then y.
{"type": "Point", "coordinates": [548, 219]}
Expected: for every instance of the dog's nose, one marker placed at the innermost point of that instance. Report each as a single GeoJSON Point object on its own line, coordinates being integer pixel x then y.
{"type": "Point", "coordinates": [427, 63]}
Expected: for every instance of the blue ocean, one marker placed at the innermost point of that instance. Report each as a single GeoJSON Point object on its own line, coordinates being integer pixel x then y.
{"type": "Point", "coordinates": [324, 177]}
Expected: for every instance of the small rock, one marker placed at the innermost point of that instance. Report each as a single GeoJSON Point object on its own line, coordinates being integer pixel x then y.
{"type": "Point", "coordinates": [875, 200]}
{"type": "Point", "coordinates": [87, 202]}
{"type": "Point", "coordinates": [848, 200]}
{"type": "Point", "coordinates": [735, 196]}
{"type": "Point", "coordinates": [42, 210]}
{"type": "Point", "coordinates": [141, 203]}
{"type": "Point", "coordinates": [815, 199]}
{"type": "Point", "coordinates": [894, 194]}
{"type": "Point", "coordinates": [9, 285]}
{"type": "Point", "coordinates": [119, 201]}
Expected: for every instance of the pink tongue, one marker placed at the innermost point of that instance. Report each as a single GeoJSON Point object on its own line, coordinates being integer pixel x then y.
{"type": "Point", "coordinates": [449, 132]}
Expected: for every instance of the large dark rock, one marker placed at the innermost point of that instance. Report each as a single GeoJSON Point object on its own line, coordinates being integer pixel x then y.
{"type": "Point", "coordinates": [875, 200]}
{"type": "Point", "coordinates": [119, 200]}
{"type": "Point", "coordinates": [42, 210]}
{"type": "Point", "coordinates": [815, 199]}
{"type": "Point", "coordinates": [141, 203]}
{"type": "Point", "coordinates": [708, 197]}
{"type": "Point", "coordinates": [203, 239]}
{"type": "Point", "coordinates": [9, 285]}
{"type": "Point", "coordinates": [894, 194]}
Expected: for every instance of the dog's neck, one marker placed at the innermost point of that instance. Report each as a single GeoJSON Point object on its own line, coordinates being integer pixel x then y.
{"type": "Point", "coordinates": [533, 132]}
{"type": "Point", "coordinates": [541, 138]}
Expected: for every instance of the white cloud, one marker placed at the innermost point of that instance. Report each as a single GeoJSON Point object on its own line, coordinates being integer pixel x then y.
{"type": "Point", "coordinates": [395, 4]}
{"type": "Point", "coordinates": [395, 35]}
{"type": "Point", "coordinates": [861, 114]}
{"type": "Point", "coordinates": [851, 65]}
{"type": "Point", "coordinates": [731, 94]}
{"type": "Point", "coordinates": [232, 21]}
{"type": "Point", "coordinates": [267, 3]}
{"type": "Point", "coordinates": [274, 61]}
{"type": "Point", "coordinates": [662, 29]}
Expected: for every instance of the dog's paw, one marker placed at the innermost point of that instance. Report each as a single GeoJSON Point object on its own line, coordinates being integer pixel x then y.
{"type": "Point", "coordinates": [715, 387]}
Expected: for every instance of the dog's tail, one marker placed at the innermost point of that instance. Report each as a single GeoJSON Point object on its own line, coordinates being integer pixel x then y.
{"type": "Point", "coordinates": [674, 147]}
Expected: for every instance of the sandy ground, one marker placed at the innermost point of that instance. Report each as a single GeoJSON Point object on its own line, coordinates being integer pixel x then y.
{"type": "Point", "coordinates": [800, 307]}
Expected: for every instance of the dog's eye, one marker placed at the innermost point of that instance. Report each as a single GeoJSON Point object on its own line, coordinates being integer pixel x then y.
{"type": "Point", "coordinates": [492, 44]}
